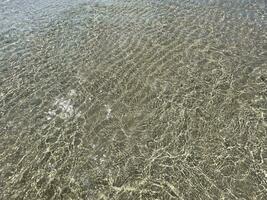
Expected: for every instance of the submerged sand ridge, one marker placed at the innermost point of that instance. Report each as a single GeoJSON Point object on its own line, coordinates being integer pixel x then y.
{"type": "Point", "coordinates": [136, 100]}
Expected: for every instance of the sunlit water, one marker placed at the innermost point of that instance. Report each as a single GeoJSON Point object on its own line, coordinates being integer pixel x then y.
{"type": "Point", "coordinates": [145, 99]}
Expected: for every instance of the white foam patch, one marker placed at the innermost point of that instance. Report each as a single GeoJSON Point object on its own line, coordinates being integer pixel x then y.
{"type": "Point", "coordinates": [51, 114]}
{"type": "Point", "coordinates": [72, 93]}
{"type": "Point", "coordinates": [108, 109]}
{"type": "Point", "coordinates": [66, 107]}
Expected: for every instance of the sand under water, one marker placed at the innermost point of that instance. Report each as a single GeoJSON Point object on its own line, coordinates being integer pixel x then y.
{"type": "Point", "coordinates": [145, 99]}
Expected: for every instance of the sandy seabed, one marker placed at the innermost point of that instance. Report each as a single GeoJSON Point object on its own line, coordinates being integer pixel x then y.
{"type": "Point", "coordinates": [128, 100]}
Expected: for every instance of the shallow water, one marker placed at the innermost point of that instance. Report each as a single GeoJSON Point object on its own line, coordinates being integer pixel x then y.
{"type": "Point", "coordinates": [147, 99]}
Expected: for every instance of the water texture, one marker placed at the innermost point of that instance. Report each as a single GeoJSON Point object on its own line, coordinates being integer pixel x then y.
{"type": "Point", "coordinates": [145, 99]}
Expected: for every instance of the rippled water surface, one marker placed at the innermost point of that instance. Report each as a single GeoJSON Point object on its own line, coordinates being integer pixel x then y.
{"type": "Point", "coordinates": [144, 99]}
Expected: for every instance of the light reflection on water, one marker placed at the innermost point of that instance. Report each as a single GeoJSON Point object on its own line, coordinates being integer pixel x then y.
{"type": "Point", "coordinates": [144, 99]}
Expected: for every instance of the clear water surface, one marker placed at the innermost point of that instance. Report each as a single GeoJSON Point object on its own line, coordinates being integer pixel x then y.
{"type": "Point", "coordinates": [145, 99]}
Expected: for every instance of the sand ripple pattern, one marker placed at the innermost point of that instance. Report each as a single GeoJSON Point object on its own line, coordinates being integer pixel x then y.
{"type": "Point", "coordinates": [137, 100]}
